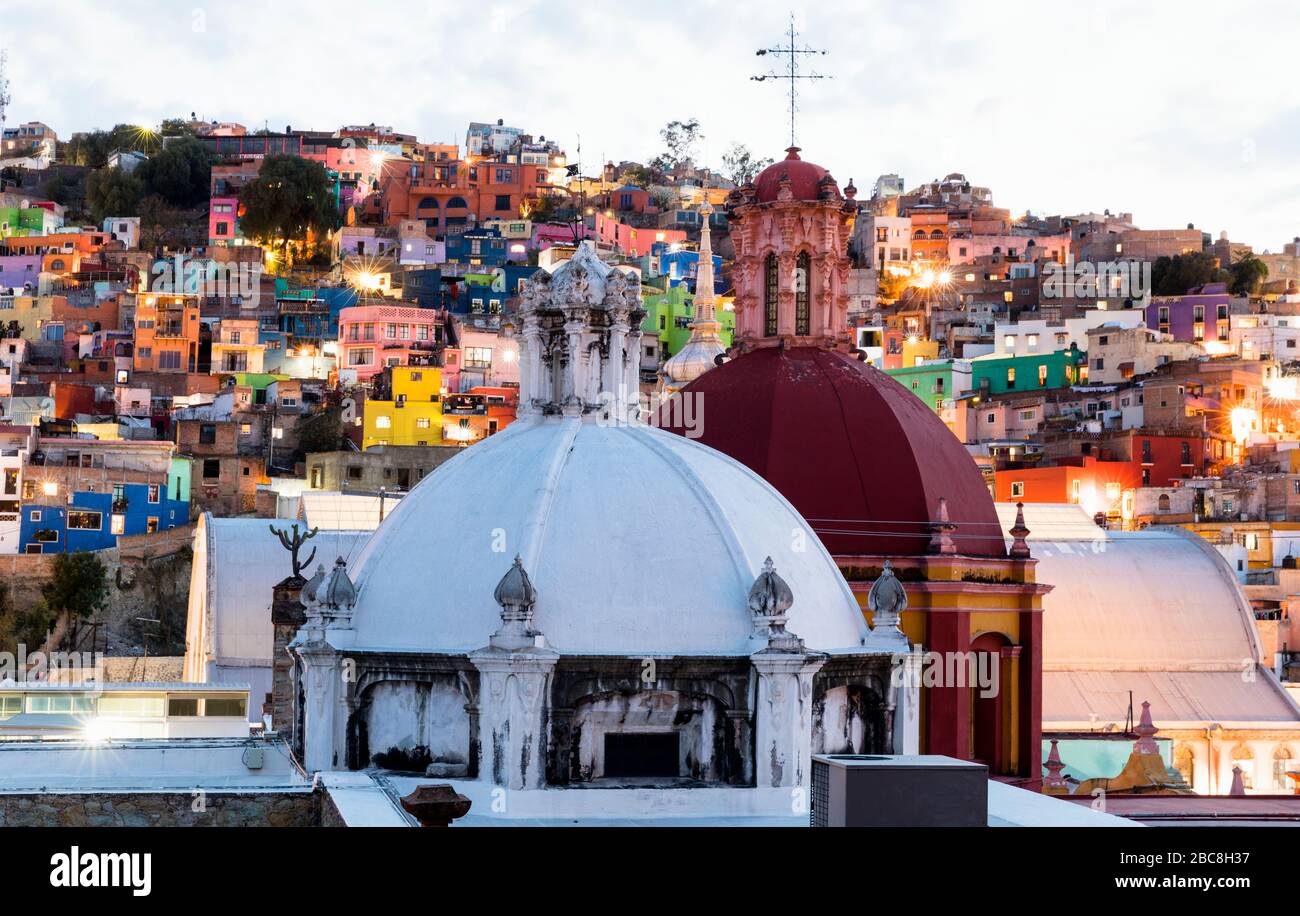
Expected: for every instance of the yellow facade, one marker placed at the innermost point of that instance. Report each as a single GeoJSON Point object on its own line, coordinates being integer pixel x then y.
{"type": "Point", "coordinates": [413, 416]}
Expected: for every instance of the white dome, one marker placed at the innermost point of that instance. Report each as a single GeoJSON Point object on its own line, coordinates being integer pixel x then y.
{"type": "Point", "coordinates": [638, 542]}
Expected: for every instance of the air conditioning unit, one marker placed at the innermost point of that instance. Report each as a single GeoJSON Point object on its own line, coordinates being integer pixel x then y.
{"type": "Point", "coordinates": [858, 790]}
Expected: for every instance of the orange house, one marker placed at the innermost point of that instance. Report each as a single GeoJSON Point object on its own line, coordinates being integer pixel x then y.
{"type": "Point", "coordinates": [167, 334]}
{"type": "Point", "coordinates": [1101, 487]}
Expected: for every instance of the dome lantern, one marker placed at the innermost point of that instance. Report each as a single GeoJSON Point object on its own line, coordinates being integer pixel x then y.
{"type": "Point", "coordinates": [581, 329]}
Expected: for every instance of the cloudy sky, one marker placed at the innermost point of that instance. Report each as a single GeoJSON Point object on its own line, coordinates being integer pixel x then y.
{"type": "Point", "coordinates": [1180, 112]}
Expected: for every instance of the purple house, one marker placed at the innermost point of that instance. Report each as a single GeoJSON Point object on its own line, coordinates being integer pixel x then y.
{"type": "Point", "coordinates": [16, 270]}
{"type": "Point", "coordinates": [1198, 316]}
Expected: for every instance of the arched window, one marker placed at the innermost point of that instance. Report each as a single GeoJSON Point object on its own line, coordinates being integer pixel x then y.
{"type": "Point", "coordinates": [770, 290]}
{"type": "Point", "coordinates": [1162, 504]}
{"type": "Point", "coordinates": [427, 203]}
{"type": "Point", "coordinates": [1283, 763]}
{"type": "Point", "coordinates": [458, 202]}
{"type": "Point", "coordinates": [936, 233]}
{"type": "Point", "coordinates": [918, 234]}
{"type": "Point", "coordinates": [802, 279]}
{"type": "Point", "coordinates": [1243, 757]}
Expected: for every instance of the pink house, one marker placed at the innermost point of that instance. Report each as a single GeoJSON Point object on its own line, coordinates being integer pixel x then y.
{"type": "Point", "coordinates": [1009, 247]}
{"type": "Point", "coordinates": [372, 337]}
{"type": "Point", "coordinates": [223, 221]}
{"type": "Point", "coordinates": [630, 240]}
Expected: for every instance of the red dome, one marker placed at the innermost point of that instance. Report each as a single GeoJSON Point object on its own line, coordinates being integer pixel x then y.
{"type": "Point", "coordinates": [804, 178]}
{"type": "Point", "coordinates": [860, 456]}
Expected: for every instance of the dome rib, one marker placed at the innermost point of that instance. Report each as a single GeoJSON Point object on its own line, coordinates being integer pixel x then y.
{"type": "Point", "coordinates": [722, 524]}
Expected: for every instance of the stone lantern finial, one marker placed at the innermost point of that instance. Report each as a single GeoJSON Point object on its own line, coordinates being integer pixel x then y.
{"type": "Point", "coordinates": [1019, 546]}
{"type": "Point", "coordinates": [1054, 783]}
{"type": "Point", "coordinates": [770, 598]}
{"type": "Point", "coordinates": [336, 596]}
{"type": "Point", "coordinates": [1146, 732]}
{"type": "Point", "coordinates": [516, 595]}
{"type": "Point", "coordinates": [887, 600]}
{"type": "Point", "coordinates": [941, 528]}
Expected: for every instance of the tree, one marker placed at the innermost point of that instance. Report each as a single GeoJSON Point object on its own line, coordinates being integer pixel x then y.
{"type": "Point", "coordinates": [679, 138]}
{"type": "Point", "coordinates": [740, 166]}
{"type": "Point", "coordinates": [1247, 275]}
{"type": "Point", "coordinates": [93, 148]}
{"type": "Point", "coordinates": [320, 432]}
{"type": "Point", "coordinates": [59, 189]}
{"type": "Point", "coordinates": [180, 173]}
{"type": "Point", "coordinates": [640, 176]}
{"type": "Point", "coordinates": [158, 221]}
{"type": "Point", "coordinates": [290, 197]}
{"type": "Point", "coordinates": [77, 588]}
{"type": "Point", "coordinates": [113, 192]}
{"type": "Point", "coordinates": [1175, 276]}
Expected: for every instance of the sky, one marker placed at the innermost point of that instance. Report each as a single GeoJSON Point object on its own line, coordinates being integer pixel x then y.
{"type": "Point", "coordinates": [1179, 111]}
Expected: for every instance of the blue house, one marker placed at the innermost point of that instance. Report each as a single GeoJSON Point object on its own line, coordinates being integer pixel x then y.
{"type": "Point", "coordinates": [680, 266]}
{"type": "Point", "coordinates": [477, 248]}
{"type": "Point", "coordinates": [487, 293]}
{"type": "Point", "coordinates": [94, 520]}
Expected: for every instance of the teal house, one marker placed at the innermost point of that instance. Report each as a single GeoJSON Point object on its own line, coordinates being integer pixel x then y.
{"type": "Point", "coordinates": [990, 375]}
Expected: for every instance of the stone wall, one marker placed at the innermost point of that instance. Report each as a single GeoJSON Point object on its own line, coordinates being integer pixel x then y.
{"type": "Point", "coordinates": [160, 809]}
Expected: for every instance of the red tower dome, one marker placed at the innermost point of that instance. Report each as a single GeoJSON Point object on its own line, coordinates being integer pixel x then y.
{"type": "Point", "coordinates": [861, 457]}
{"type": "Point", "coordinates": [805, 178]}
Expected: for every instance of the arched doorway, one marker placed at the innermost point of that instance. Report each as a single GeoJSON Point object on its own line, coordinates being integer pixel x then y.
{"type": "Point", "coordinates": [988, 686]}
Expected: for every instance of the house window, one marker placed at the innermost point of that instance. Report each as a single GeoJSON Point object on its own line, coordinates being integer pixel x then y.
{"type": "Point", "coordinates": [1281, 766]}
{"type": "Point", "coordinates": [85, 521]}
{"type": "Point", "coordinates": [151, 525]}
{"type": "Point", "coordinates": [383, 421]}
{"type": "Point", "coordinates": [1018, 488]}
{"type": "Point", "coordinates": [118, 524]}
{"type": "Point", "coordinates": [1076, 490]}
{"type": "Point", "coordinates": [422, 423]}
{"type": "Point", "coordinates": [211, 468]}
{"type": "Point", "coordinates": [207, 434]}
{"type": "Point", "coordinates": [1011, 377]}
{"type": "Point", "coordinates": [1042, 375]}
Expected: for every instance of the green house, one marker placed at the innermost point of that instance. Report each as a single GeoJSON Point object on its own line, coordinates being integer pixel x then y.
{"type": "Point", "coordinates": [935, 381]}
{"type": "Point", "coordinates": [1029, 373]}
{"type": "Point", "coordinates": [669, 315]}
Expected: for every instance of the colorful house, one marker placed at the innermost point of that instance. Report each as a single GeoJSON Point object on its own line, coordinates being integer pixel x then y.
{"type": "Point", "coordinates": [669, 315]}
{"type": "Point", "coordinates": [373, 337]}
{"type": "Point", "coordinates": [411, 414]}
{"type": "Point", "coordinates": [1059, 369]}
{"type": "Point", "coordinates": [935, 382]}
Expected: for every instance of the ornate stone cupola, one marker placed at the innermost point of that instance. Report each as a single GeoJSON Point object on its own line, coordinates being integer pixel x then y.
{"type": "Point", "coordinates": [581, 339]}
{"type": "Point", "coordinates": [790, 229]}
{"type": "Point", "coordinates": [704, 349]}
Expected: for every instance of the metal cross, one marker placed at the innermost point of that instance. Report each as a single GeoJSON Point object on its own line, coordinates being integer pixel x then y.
{"type": "Point", "coordinates": [790, 72]}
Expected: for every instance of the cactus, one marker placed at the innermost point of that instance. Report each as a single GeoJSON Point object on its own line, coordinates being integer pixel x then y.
{"type": "Point", "coordinates": [292, 541]}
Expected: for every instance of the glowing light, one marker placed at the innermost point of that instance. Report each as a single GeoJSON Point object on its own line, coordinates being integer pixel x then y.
{"type": "Point", "coordinates": [50, 488]}
{"type": "Point", "coordinates": [945, 277]}
{"type": "Point", "coordinates": [508, 356]}
{"type": "Point", "coordinates": [1243, 420]}
{"type": "Point", "coordinates": [1284, 388]}
{"type": "Point", "coordinates": [95, 731]}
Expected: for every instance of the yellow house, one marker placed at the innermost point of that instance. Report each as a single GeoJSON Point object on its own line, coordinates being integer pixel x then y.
{"type": "Point", "coordinates": [412, 414]}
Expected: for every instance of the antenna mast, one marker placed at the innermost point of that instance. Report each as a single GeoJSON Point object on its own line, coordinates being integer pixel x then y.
{"type": "Point", "coordinates": [790, 70]}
